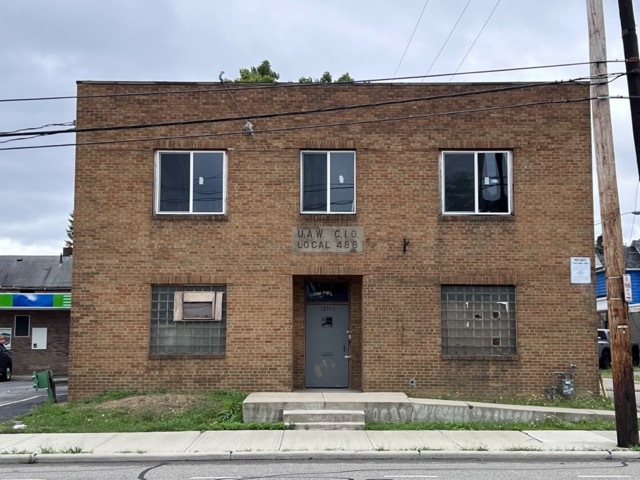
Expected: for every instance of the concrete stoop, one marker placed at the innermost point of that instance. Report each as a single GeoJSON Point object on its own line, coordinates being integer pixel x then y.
{"type": "Point", "coordinates": [375, 407]}
{"type": "Point", "coordinates": [325, 419]}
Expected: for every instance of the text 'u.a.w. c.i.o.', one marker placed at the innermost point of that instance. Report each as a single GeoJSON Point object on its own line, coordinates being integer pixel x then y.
{"type": "Point", "coordinates": [328, 239]}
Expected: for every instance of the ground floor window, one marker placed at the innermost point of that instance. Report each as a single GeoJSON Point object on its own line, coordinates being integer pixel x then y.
{"type": "Point", "coordinates": [21, 326]}
{"type": "Point", "coordinates": [478, 320]}
{"type": "Point", "coordinates": [200, 328]}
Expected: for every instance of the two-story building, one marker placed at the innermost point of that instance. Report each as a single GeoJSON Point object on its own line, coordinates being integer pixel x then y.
{"type": "Point", "coordinates": [376, 237]}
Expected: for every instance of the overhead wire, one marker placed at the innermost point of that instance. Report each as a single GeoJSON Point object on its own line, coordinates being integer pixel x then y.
{"type": "Point", "coordinates": [20, 139]}
{"type": "Point", "coordinates": [65, 124]}
{"type": "Point", "coordinates": [497, 89]}
{"type": "Point", "coordinates": [316, 126]}
{"type": "Point", "coordinates": [475, 40]}
{"type": "Point", "coordinates": [249, 86]}
{"type": "Point", "coordinates": [633, 222]}
{"type": "Point", "coordinates": [31, 129]}
{"type": "Point", "coordinates": [411, 38]}
{"type": "Point", "coordinates": [447, 40]}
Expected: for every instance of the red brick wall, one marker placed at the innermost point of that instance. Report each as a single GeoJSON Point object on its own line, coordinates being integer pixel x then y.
{"type": "Point", "coordinates": [121, 248]}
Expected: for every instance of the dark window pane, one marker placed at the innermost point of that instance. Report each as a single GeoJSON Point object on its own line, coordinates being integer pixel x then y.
{"type": "Point", "coordinates": [342, 181]}
{"type": "Point", "coordinates": [196, 310]}
{"type": "Point", "coordinates": [21, 328]}
{"type": "Point", "coordinates": [174, 182]}
{"type": "Point", "coordinates": [208, 178]}
{"type": "Point", "coordinates": [493, 182]}
{"type": "Point", "coordinates": [459, 182]}
{"type": "Point", "coordinates": [327, 292]}
{"type": "Point", "coordinates": [314, 182]}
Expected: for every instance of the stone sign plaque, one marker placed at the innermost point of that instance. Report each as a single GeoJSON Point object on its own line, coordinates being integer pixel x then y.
{"type": "Point", "coordinates": [328, 239]}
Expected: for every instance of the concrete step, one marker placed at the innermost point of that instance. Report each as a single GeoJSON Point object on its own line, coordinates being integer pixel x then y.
{"type": "Point", "coordinates": [327, 426]}
{"type": "Point", "coordinates": [324, 419]}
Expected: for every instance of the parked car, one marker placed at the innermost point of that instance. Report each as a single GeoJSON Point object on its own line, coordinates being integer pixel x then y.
{"type": "Point", "coordinates": [6, 365]}
{"type": "Point", "coordinates": [604, 350]}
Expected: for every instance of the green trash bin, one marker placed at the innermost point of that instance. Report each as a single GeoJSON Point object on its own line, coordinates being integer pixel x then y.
{"type": "Point", "coordinates": [44, 379]}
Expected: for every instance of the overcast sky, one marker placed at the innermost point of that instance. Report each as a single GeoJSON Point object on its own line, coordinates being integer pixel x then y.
{"type": "Point", "coordinates": [48, 45]}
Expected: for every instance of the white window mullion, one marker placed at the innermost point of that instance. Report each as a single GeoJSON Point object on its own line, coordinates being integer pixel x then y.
{"type": "Point", "coordinates": [475, 183]}
{"type": "Point", "coordinates": [510, 180]}
{"type": "Point", "coordinates": [191, 169]}
{"type": "Point", "coordinates": [328, 182]}
{"type": "Point", "coordinates": [157, 181]}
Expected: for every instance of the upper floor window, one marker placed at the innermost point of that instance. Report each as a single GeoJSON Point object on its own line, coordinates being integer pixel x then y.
{"type": "Point", "coordinates": [190, 182]}
{"type": "Point", "coordinates": [328, 182]}
{"type": "Point", "coordinates": [476, 183]}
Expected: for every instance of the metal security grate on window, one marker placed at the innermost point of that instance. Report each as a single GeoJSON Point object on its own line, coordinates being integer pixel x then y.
{"type": "Point", "coordinates": [186, 337]}
{"type": "Point", "coordinates": [478, 320]}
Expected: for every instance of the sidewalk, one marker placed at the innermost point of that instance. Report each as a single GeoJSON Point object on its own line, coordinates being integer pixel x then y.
{"type": "Point", "coordinates": [301, 444]}
{"type": "Point", "coordinates": [338, 444]}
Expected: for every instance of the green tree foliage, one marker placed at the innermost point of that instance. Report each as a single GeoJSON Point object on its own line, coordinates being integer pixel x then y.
{"type": "Point", "coordinates": [327, 78]}
{"type": "Point", "coordinates": [263, 73]}
{"type": "Point", "coordinates": [69, 241]}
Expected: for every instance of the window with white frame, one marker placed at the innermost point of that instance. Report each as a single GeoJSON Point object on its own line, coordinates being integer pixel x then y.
{"type": "Point", "coordinates": [188, 320]}
{"type": "Point", "coordinates": [328, 182]}
{"type": "Point", "coordinates": [476, 182]}
{"type": "Point", "coordinates": [478, 320]}
{"type": "Point", "coordinates": [190, 182]}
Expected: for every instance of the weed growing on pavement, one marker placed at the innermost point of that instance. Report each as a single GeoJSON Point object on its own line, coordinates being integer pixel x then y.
{"type": "Point", "coordinates": [51, 450]}
{"type": "Point", "coordinates": [13, 451]}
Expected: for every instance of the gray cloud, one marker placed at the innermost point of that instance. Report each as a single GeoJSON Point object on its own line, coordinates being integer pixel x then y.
{"type": "Point", "coordinates": [48, 46]}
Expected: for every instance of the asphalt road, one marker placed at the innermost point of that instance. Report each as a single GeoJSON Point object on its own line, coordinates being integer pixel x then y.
{"type": "Point", "coordinates": [454, 469]}
{"type": "Point", "coordinates": [18, 397]}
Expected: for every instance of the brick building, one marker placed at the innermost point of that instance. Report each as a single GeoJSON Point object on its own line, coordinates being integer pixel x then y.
{"type": "Point", "coordinates": [379, 237]}
{"type": "Point", "coordinates": [35, 299]}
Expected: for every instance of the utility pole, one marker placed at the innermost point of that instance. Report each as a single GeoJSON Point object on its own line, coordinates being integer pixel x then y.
{"type": "Point", "coordinates": [623, 389]}
{"type": "Point", "coordinates": [630, 44]}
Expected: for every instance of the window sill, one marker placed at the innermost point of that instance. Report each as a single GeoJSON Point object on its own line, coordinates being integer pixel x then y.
{"type": "Point", "coordinates": [222, 217]}
{"type": "Point", "coordinates": [500, 358]}
{"type": "Point", "coordinates": [477, 218]}
{"type": "Point", "coordinates": [186, 356]}
{"type": "Point", "coordinates": [327, 216]}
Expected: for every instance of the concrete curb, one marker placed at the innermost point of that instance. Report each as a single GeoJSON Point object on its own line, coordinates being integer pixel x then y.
{"type": "Point", "coordinates": [554, 455]}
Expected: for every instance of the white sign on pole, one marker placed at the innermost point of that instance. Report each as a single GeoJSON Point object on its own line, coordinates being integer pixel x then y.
{"type": "Point", "coordinates": [628, 294]}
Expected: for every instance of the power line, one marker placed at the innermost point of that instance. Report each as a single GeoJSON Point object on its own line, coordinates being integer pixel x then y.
{"type": "Point", "coordinates": [65, 124]}
{"type": "Point", "coordinates": [447, 40]}
{"type": "Point", "coordinates": [476, 39]}
{"type": "Point", "coordinates": [247, 86]}
{"type": "Point", "coordinates": [499, 89]}
{"type": "Point", "coordinates": [32, 129]}
{"type": "Point", "coordinates": [411, 38]}
{"type": "Point", "coordinates": [307, 127]}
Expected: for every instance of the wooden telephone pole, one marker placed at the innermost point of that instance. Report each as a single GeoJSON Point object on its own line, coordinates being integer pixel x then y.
{"type": "Point", "coordinates": [624, 397]}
